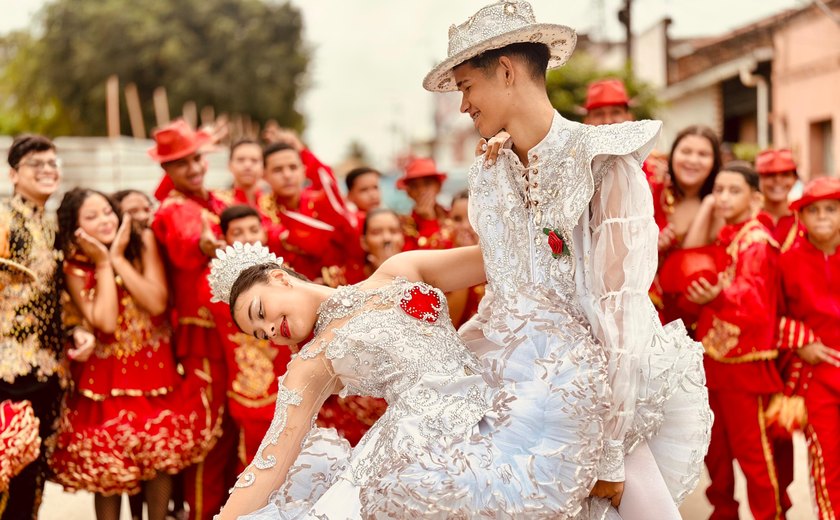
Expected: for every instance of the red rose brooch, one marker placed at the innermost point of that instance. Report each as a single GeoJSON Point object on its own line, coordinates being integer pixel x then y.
{"type": "Point", "coordinates": [556, 243]}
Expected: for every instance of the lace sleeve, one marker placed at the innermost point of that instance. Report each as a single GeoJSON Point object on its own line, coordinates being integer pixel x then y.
{"type": "Point", "coordinates": [300, 394]}
{"type": "Point", "coordinates": [619, 268]}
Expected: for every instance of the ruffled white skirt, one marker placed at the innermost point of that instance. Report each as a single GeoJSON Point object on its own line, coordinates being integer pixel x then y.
{"type": "Point", "coordinates": [531, 454]}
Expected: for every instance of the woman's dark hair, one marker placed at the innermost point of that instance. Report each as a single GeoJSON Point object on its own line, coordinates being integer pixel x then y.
{"type": "Point", "coordinates": [709, 135]}
{"type": "Point", "coordinates": [535, 56]}
{"type": "Point", "coordinates": [461, 195]}
{"type": "Point", "coordinates": [355, 173]}
{"type": "Point", "coordinates": [376, 212]}
{"type": "Point", "coordinates": [68, 222]}
{"type": "Point", "coordinates": [120, 195]}
{"type": "Point", "coordinates": [252, 276]}
{"type": "Point", "coordinates": [746, 170]}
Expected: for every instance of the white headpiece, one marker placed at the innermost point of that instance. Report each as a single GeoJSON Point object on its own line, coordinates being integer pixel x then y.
{"type": "Point", "coordinates": [495, 26]}
{"type": "Point", "coordinates": [229, 264]}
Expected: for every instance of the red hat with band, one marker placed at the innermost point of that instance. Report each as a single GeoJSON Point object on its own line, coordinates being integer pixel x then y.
{"type": "Point", "coordinates": [419, 168]}
{"type": "Point", "coordinates": [770, 162]}
{"type": "Point", "coordinates": [606, 92]}
{"type": "Point", "coordinates": [821, 188]}
{"type": "Point", "coordinates": [176, 141]}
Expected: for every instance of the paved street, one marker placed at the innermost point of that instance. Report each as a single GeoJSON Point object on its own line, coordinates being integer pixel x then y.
{"type": "Point", "coordinates": [66, 506]}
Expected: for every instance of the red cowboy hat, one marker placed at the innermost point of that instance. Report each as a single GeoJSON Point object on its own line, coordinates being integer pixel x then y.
{"type": "Point", "coordinates": [770, 162]}
{"type": "Point", "coordinates": [821, 188]}
{"type": "Point", "coordinates": [606, 92]}
{"type": "Point", "coordinates": [419, 168]}
{"type": "Point", "coordinates": [176, 141]}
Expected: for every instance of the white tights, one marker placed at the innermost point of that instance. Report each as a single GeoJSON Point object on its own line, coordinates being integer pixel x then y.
{"type": "Point", "coordinates": [645, 494]}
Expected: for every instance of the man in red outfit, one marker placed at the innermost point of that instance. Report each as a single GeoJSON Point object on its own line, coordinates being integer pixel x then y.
{"type": "Point", "coordinates": [777, 176]}
{"type": "Point", "coordinates": [246, 166]}
{"type": "Point", "coordinates": [809, 317]}
{"type": "Point", "coordinates": [310, 226]}
{"type": "Point", "coordinates": [425, 227]}
{"type": "Point", "coordinates": [253, 365]}
{"type": "Point", "coordinates": [737, 325]}
{"type": "Point", "coordinates": [185, 227]}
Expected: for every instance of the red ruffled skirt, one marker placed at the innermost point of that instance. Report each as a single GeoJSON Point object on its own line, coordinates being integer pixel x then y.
{"type": "Point", "coordinates": [109, 444]}
{"type": "Point", "coordinates": [19, 443]}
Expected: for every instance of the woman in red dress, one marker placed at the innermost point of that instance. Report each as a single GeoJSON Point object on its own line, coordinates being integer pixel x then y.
{"type": "Point", "coordinates": [130, 417]}
{"type": "Point", "coordinates": [693, 164]}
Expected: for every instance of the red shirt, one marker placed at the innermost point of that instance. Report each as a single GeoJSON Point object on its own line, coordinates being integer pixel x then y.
{"type": "Point", "coordinates": [421, 233]}
{"type": "Point", "coordinates": [785, 230]}
{"type": "Point", "coordinates": [738, 327]}
{"type": "Point", "coordinates": [236, 196]}
{"type": "Point", "coordinates": [177, 226]}
{"type": "Point", "coordinates": [321, 232]}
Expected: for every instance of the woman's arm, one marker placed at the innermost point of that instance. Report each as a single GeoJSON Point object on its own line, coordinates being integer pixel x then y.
{"type": "Point", "coordinates": [447, 269]}
{"type": "Point", "coordinates": [147, 286]}
{"type": "Point", "coordinates": [300, 394]}
{"type": "Point", "coordinates": [98, 305]}
{"type": "Point", "coordinates": [702, 230]}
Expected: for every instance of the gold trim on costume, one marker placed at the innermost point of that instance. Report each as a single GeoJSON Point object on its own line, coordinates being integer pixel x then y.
{"type": "Point", "coordinates": [768, 458]}
{"type": "Point", "coordinates": [204, 319]}
{"type": "Point", "coordinates": [818, 474]}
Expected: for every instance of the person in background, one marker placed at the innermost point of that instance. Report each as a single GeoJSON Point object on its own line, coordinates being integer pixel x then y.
{"type": "Point", "coordinates": [130, 418]}
{"type": "Point", "coordinates": [310, 226]}
{"type": "Point", "coordinates": [809, 314]}
{"type": "Point", "coordinates": [607, 103]}
{"type": "Point", "coordinates": [425, 227]}
{"type": "Point", "coordinates": [363, 189]}
{"type": "Point", "coordinates": [463, 304]}
{"type": "Point", "coordinates": [777, 176]}
{"type": "Point", "coordinates": [737, 327]}
{"type": "Point", "coordinates": [382, 238]}
{"type": "Point", "coordinates": [32, 335]}
{"type": "Point", "coordinates": [246, 166]}
{"type": "Point", "coordinates": [693, 164]}
{"type": "Point", "coordinates": [137, 204]}
{"type": "Point", "coordinates": [253, 365]}
{"type": "Point", "coordinates": [186, 227]}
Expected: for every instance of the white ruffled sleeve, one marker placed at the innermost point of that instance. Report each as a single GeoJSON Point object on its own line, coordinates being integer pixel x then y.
{"type": "Point", "coordinates": [619, 266]}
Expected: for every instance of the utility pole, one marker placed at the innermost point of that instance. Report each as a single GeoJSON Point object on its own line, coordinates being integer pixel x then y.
{"type": "Point", "coordinates": [624, 16]}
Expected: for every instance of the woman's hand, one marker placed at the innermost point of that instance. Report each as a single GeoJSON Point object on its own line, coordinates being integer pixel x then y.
{"type": "Point", "coordinates": [92, 248]}
{"type": "Point", "coordinates": [491, 148]}
{"type": "Point", "coordinates": [117, 250]}
{"type": "Point", "coordinates": [611, 490]}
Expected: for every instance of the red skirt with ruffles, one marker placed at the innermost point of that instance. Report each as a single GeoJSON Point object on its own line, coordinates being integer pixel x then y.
{"type": "Point", "coordinates": [19, 443]}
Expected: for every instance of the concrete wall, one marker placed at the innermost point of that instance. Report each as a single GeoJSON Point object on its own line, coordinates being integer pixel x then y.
{"type": "Point", "coordinates": [806, 89]}
{"type": "Point", "coordinates": [109, 165]}
{"type": "Point", "coordinates": [698, 107]}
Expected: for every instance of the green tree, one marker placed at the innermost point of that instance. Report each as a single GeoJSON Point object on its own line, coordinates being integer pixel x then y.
{"type": "Point", "coordinates": [567, 88]}
{"type": "Point", "coordinates": [239, 56]}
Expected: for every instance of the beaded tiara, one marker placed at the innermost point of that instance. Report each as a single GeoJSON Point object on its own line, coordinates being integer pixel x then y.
{"type": "Point", "coordinates": [229, 264]}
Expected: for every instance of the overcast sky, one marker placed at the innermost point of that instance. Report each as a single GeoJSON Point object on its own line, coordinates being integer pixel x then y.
{"type": "Point", "coordinates": [370, 56]}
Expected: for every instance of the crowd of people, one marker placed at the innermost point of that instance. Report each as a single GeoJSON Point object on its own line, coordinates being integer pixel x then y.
{"type": "Point", "coordinates": [166, 399]}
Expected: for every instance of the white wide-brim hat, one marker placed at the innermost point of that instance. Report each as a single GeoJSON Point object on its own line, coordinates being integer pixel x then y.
{"type": "Point", "coordinates": [495, 26]}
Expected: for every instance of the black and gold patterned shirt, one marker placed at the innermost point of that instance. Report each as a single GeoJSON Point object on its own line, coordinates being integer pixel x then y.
{"type": "Point", "coordinates": [31, 335]}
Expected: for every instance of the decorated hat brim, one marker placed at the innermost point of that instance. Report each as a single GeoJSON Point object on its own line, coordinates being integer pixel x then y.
{"type": "Point", "coordinates": [201, 138]}
{"type": "Point", "coordinates": [560, 40]}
